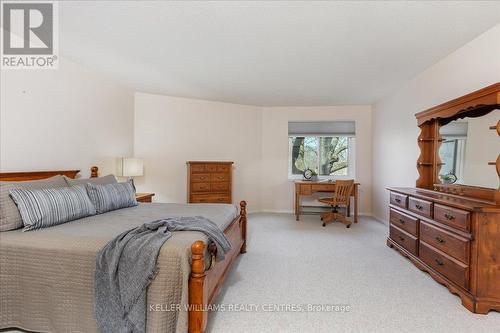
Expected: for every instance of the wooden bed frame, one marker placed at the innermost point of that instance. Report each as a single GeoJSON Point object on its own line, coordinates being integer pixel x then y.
{"type": "Point", "coordinates": [204, 283]}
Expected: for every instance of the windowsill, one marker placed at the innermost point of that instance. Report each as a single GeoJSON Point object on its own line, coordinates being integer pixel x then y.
{"type": "Point", "coordinates": [320, 178]}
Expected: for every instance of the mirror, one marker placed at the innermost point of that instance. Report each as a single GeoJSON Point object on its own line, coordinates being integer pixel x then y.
{"type": "Point", "coordinates": [468, 146]}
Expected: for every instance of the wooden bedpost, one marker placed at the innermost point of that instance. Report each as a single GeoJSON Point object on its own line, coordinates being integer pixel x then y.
{"type": "Point", "coordinates": [93, 172]}
{"type": "Point", "coordinates": [197, 296]}
{"type": "Point", "coordinates": [243, 219]}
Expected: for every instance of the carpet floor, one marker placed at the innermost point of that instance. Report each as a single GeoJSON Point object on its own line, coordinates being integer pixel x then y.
{"type": "Point", "coordinates": [297, 264]}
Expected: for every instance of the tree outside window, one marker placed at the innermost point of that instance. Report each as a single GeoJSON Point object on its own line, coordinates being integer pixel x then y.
{"type": "Point", "coordinates": [325, 155]}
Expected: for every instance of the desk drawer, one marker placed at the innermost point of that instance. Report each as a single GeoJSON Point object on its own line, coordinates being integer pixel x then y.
{"type": "Point", "coordinates": [453, 217]}
{"type": "Point", "coordinates": [449, 267]}
{"type": "Point", "coordinates": [305, 189]}
{"type": "Point", "coordinates": [420, 207]}
{"type": "Point", "coordinates": [404, 239]}
{"type": "Point", "coordinates": [323, 187]}
{"type": "Point", "coordinates": [445, 241]}
{"type": "Point", "coordinates": [404, 221]}
{"type": "Point", "coordinates": [399, 199]}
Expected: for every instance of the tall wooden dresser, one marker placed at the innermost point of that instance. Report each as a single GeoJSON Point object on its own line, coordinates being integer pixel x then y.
{"type": "Point", "coordinates": [209, 182]}
{"type": "Point", "coordinates": [452, 231]}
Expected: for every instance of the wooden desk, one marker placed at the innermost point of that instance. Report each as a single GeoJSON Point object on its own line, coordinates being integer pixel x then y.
{"type": "Point", "coordinates": [307, 188]}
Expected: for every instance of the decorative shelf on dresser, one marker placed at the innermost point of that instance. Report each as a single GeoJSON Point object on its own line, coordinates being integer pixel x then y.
{"type": "Point", "coordinates": [455, 239]}
{"type": "Point", "coordinates": [209, 182]}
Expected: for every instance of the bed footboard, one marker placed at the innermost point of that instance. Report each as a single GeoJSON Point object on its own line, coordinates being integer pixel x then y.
{"type": "Point", "coordinates": [204, 285]}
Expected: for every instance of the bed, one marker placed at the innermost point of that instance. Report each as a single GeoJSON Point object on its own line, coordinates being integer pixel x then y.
{"type": "Point", "coordinates": [46, 276]}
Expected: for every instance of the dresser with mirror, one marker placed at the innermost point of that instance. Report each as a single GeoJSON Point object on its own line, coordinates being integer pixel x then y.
{"type": "Point", "coordinates": [449, 224]}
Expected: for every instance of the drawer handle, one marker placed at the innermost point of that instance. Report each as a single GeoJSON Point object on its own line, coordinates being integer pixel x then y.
{"type": "Point", "coordinates": [449, 216]}
{"type": "Point", "coordinates": [419, 207]}
{"type": "Point", "coordinates": [397, 200]}
{"type": "Point", "coordinates": [401, 238]}
{"type": "Point", "coordinates": [202, 187]}
{"type": "Point", "coordinates": [220, 199]}
{"type": "Point", "coordinates": [440, 240]}
{"type": "Point", "coordinates": [401, 221]}
{"type": "Point", "coordinates": [221, 177]}
{"type": "Point", "coordinates": [203, 177]}
{"type": "Point", "coordinates": [439, 262]}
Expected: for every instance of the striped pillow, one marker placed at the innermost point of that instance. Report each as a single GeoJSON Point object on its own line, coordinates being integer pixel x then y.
{"type": "Point", "coordinates": [41, 208]}
{"type": "Point", "coordinates": [10, 218]}
{"type": "Point", "coordinates": [111, 196]}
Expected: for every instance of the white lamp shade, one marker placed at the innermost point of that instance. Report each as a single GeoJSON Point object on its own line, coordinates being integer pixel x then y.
{"type": "Point", "coordinates": [130, 167]}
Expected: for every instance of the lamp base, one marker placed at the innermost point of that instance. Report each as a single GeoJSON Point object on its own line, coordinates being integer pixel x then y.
{"type": "Point", "coordinates": [131, 180]}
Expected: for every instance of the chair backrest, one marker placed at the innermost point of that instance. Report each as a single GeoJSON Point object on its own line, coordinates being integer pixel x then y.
{"type": "Point", "coordinates": [343, 190]}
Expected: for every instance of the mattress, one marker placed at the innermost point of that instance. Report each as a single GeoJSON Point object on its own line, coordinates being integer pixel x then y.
{"type": "Point", "coordinates": [47, 275]}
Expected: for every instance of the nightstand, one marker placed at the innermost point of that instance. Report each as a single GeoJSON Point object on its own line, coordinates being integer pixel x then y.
{"type": "Point", "coordinates": [144, 197]}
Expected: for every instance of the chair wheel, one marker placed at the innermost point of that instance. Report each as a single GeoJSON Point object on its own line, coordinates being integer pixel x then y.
{"type": "Point", "coordinates": [321, 219]}
{"type": "Point", "coordinates": [324, 224]}
{"type": "Point", "coordinates": [348, 226]}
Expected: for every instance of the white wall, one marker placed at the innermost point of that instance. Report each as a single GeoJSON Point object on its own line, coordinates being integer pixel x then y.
{"type": "Point", "coordinates": [170, 131]}
{"type": "Point", "coordinates": [395, 151]}
{"type": "Point", "coordinates": [69, 118]}
{"type": "Point", "coordinates": [277, 191]}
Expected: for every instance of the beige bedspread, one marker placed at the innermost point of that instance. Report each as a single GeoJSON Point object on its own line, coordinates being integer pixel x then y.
{"type": "Point", "coordinates": [47, 275]}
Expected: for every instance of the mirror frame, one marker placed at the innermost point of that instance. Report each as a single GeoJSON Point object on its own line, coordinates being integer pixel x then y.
{"type": "Point", "coordinates": [475, 104]}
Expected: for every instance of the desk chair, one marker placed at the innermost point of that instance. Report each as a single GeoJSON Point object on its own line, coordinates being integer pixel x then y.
{"type": "Point", "coordinates": [341, 197]}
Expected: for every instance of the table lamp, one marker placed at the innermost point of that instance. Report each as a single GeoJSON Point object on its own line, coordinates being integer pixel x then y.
{"type": "Point", "coordinates": [130, 167]}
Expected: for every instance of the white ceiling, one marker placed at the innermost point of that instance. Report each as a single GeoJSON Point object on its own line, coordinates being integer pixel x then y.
{"type": "Point", "coordinates": [269, 53]}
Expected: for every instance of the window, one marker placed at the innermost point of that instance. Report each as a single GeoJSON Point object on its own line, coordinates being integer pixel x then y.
{"type": "Point", "coordinates": [328, 155]}
{"type": "Point", "coordinates": [452, 154]}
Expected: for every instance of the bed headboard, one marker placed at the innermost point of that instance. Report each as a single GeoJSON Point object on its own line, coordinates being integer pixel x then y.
{"type": "Point", "coordinates": [35, 175]}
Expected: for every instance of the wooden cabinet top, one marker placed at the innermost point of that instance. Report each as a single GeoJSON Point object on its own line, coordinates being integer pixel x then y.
{"type": "Point", "coordinates": [451, 200]}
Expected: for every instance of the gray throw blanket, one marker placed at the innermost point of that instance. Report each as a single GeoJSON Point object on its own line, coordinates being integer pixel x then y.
{"type": "Point", "coordinates": [127, 265]}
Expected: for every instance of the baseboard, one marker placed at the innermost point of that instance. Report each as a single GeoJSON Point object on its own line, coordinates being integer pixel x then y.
{"type": "Point", "coordinates": [277, 211]}
{"type": "Point", "coordinates": [379, 219]}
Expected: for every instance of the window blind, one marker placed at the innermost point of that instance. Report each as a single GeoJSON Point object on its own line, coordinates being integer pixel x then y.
{"type": "Point", "coordinates": [322, 128]}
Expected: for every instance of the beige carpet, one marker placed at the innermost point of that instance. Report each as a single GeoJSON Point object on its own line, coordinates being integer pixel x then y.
{"type": "Point", "coordinates": [301, 263]}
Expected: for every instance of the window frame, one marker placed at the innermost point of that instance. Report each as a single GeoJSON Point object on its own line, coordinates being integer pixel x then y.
{"type": "Point", "coordinates": [351, 169]}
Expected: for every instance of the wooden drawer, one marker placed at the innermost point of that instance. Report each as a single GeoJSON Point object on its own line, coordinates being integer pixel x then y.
{"type": "Point", "coordinates": [420, 207]}
{"type": "Point", "coordinates": [445, 241]}
{"type": "Point", "coordinates": [198, 168]}
{"type": "Point", "coordinates": [305, 189]}
{"type": "Point", "coordinates": [211, 167]}
{"type": "Point", "coordinates": [223, 168]}
{"type": "Point", "coordinates": [404, 239]}
{"type": "Point", "coordinates": [404, 221]}
{"type": "Point", "coordinates": [399, 199]}
{"type": "Point", "coordinates": [200, 187]}
{"type": "Point", "coordinates": [220, 187]}
{"type": "Point", "coordinates": [446, 265]}
{"type": "Point", "coordinates": [220, 177]}
{"type": "Point", "coordinates": [200, 177]}
{"type": "Point", "coordinates": [453, 217]}
{"type": "Point", "coordinates": [323, 188]}
{"type": "Point", "coordinates": [210, 198]}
